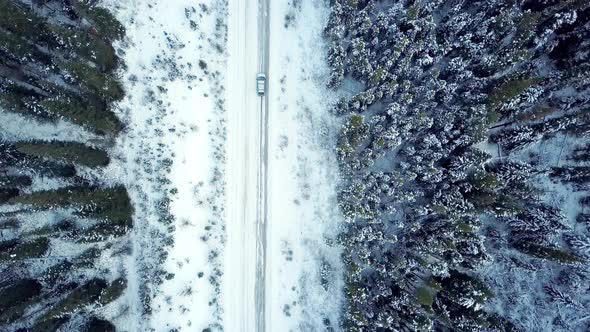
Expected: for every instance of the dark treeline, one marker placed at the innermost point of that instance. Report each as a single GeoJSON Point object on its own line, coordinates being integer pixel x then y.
{"type": "Point", "coordinates": [57, 62]}
{"type": "Point", "coordinates": [463, 156]}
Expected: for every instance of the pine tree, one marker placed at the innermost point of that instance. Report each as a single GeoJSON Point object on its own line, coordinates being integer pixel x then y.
{"type": "Point", "coordinates": [66, 152]}
{"type": "Point", "coordinates": [58, 64]}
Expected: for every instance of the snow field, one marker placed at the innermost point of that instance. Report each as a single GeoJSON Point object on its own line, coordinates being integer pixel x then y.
{"type": "Point", "coordinates": [169, 159]}
{"type": "Point", "coordinates": [304, 270]}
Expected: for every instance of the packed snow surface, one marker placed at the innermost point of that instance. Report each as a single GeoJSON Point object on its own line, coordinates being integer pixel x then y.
{"type": "Point", "coordinates": [241, 254]}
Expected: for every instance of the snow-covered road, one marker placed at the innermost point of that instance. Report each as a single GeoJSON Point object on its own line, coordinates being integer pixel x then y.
{"type": "Point", "coordinates": [262, 277]}
{"type": "Point", "coordinates": [244, 251]}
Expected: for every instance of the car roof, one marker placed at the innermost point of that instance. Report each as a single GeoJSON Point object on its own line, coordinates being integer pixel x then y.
{"type": "Point", "coordinates": [261, 75]}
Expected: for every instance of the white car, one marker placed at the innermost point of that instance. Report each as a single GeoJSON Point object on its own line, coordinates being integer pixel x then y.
{"type": "Point", "coordinates": [260, 84]}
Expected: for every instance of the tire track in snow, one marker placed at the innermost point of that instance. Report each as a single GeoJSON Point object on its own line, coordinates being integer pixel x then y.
{"type": "Point", "coordinates": [262, 275]}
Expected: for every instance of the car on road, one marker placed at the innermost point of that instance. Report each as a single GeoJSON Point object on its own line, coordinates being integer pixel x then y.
{"type": "Point", "coordinates": [261, 84]}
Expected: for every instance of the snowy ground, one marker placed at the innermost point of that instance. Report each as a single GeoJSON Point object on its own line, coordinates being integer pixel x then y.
{"type": "Point", "coordinates": [169, 158]}
{"type": "Point", "coordinates": [14, 127]}
{"type": "Point", "coordinates": [183, 271]}
{"type": "Point", "coordinates": [532, 308]}
{"type": "Point", "coordinates": [304, 270]}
